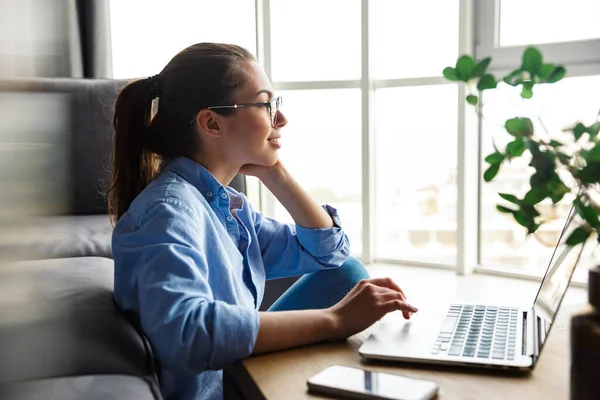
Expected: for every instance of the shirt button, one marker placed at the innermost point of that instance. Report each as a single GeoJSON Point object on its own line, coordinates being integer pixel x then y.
{"type": "Point", "coordinates": [209, 194]}
{"type": "Point", "coordinates": [229, 218]}
{"type": "Point", "coordinates": [224, 195]}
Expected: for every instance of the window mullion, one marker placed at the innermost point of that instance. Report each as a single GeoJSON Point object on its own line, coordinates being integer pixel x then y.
{"type": "Point", "coordinates": [467, 197]}
{"type": "Point", "coordinates": [367, 94]}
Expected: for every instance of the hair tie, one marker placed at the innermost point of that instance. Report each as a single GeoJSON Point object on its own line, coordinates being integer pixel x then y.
{"type": "Point", "coordinates": [154, 80]}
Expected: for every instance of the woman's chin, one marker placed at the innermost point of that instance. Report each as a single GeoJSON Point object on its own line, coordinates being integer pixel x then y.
{"type": "Point", "coordinates": [271, 160]}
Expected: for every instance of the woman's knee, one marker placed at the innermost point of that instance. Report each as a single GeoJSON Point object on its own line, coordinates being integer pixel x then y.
{"type": "Point", "coordinates": [354, 270]}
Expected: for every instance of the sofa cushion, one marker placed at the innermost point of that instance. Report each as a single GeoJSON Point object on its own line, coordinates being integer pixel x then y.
{"type": "Point", "coordinates": [93, 387]}
{"type": "Point", "coordinates": [58, 318]}
{"type": "Point", "coordinates": [91, 103]}
{"type": "Point", "coordinates": [61, 237]}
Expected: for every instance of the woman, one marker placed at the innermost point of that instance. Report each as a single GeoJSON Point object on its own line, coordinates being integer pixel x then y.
{"type": "Point", "coordinates": [192, 255]}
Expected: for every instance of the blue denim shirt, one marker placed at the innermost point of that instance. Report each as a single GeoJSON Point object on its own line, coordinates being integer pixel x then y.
{"type": "Point", "coordinates": [191, 260]}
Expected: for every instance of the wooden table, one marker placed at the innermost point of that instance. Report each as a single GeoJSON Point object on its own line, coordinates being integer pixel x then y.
{"type": "Point", "coordinates": [283, 375]}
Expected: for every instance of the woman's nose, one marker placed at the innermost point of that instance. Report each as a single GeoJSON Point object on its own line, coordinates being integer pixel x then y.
{"type": "Point", "coordinates": [281, 120]}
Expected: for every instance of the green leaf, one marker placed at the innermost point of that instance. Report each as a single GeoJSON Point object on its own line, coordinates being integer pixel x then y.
{"type": "Point", "coordinates": [487, 82]}
{"type": "Point", "coordinates": [578, 236]}
{"type": "Point", "coordinates": [530, 211]}
{"type": "Point", "coordinates": [578, 130]}
{"type": "Point", "coordinates": [491, 172]}
{"type": "Point", "coordinates": [521, 218]}
{"type": "Point", "coordinates": [534, 147]}
{"type": "Point", "coordinates": [515, 148]}
{"type": "Point", "coordinates": [510, 198]}
{"type": "Point", "coordinates": [519, 126]}
{"type": "Point", "coordinates": [472, 100]}
{"type": "Point", "coordinates": [556, 197]}
{"type": "Point", "coordinates": [526, 218]}
{"type": "Point", "coordinates": [590, 173]}
{"type": "Point", "coordinates": [590, 214]}
{"type": "Point", "coordinates": [594, 129]}
{"type": "Point", "coordinates": [450, 74]}
{"type": "Point", "coordinates": [532, 60]}
{"type": "Point", "coordinates": [557, 189]}
{"type": "Point", "coordinates": [495, 158]}
{"type": "Point", "coordinates": [514, 78]}
{"type": "Point", "coordinates": [544, 165]}
{"type": "Point", "coordinates": [535, 195]}
{"type": "Point", "coordinates": [556, 75]}
{"type": "Point", "coordinates": [505, 210]}
{"type": "Point", "coordinates": [465, 66]}
{"type": "Point", "coordinates": [594, 154]}
{"type": "Point", "coordinates": [556, 143]}
{"type": "Point", "coordinates": [527, 90]}
{"type": "Point", "coordinates": [538, 179]}
{"type": "Point", "coordinates": [565, 158]}
{"type": "Point", "coordinates": [481, 67]}
{"type": "Point", "coordinates": [532, 228]}
{"type": "Point", "coordinates": [545, 71]}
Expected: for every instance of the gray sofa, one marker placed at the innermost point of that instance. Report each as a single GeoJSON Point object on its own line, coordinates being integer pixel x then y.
{"type": "Point", "coordinates": [61, 335]}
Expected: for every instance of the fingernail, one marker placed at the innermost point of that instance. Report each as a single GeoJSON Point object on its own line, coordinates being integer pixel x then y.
{"type": "Point", "coordinates": [414, 309]}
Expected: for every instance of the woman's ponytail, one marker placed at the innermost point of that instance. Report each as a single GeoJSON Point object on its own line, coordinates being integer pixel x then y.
{"type": "Point", "coordinates": [133, 165]}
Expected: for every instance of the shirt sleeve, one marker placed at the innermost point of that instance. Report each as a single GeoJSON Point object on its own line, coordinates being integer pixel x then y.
{"type": "Point", "coordinates": [291, 250]}
{"type": "Point", "coordinates": [189, 330]}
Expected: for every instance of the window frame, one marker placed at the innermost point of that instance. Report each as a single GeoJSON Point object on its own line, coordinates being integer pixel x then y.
{"type": "Point", "coordinates": [509, 57]}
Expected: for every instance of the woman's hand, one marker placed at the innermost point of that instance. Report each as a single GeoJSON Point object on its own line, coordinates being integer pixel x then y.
{"type": "Point", "coordinates": [264, 173]}
{"type": "Point", "coordinates": [304, 210]}
{"type": "Point", "coordinates": [367, 303]}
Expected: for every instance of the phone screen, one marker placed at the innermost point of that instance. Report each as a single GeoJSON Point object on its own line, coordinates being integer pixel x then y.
{"type": "Point", "coordinates": [379, 385]}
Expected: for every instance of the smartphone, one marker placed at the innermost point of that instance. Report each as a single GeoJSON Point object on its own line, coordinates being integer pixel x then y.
{"type": "Point", "coordinates": [363, 384]}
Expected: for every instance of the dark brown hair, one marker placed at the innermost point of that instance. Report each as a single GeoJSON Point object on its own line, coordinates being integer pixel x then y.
{"type": "Point", "coordinates": [200, 76]}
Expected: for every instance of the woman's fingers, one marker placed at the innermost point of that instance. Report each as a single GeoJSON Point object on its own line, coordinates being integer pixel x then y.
{"type": "Point", "coordinates": [387, 283]}
{"type": "Point", "coordinates": [389, 295]}
{"type": "Point", "coordinates": [400, 305]}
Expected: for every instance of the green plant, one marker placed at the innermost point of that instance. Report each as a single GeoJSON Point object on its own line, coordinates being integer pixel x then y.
{"type": "Point", "coordinates": [575, 161]}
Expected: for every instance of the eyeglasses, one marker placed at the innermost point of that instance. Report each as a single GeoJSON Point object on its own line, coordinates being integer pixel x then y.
{"type": "Point", "coordinates": [273, 106]}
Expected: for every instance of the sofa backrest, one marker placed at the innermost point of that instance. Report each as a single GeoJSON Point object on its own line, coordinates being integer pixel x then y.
{"type": "Point", "coordinates": [91, 103]}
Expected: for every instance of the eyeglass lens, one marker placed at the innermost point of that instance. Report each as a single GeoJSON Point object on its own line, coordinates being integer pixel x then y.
{"type": "Point", "coordinates": [275, 105]}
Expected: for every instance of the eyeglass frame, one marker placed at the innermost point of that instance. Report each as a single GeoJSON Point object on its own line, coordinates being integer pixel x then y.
{"type": "Point", "coordinates": [267, 104]}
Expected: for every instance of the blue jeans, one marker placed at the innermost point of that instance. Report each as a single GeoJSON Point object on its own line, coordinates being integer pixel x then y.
{"type": "Point", "coordinates": [321, 289]}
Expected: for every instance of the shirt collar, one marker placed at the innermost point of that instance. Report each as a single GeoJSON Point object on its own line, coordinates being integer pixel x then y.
{"type": "Point", "coordinates": [204, 181]}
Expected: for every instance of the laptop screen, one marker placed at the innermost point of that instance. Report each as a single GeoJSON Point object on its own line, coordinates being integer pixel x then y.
{"type": "Point", "coordinates": [555, 282]}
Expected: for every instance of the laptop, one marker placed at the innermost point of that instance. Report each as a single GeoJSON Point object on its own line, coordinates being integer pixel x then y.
{"type": "Point", "coordinates": [480, 335]}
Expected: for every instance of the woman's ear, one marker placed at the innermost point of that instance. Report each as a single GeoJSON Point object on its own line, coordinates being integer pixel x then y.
{"type": "Point", "coordinates": [209, 122]}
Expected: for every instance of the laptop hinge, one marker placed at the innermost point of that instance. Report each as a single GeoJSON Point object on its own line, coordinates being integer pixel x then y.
{"type": "Point", "coordinates": [524, 335]}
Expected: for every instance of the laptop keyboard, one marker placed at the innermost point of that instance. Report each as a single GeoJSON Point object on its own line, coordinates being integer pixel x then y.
{"type": "Point", "coordinates": [478, 331]}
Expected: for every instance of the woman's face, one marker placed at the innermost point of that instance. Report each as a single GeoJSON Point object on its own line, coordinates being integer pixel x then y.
{"type": "Point", "coordinates": [248, 136]}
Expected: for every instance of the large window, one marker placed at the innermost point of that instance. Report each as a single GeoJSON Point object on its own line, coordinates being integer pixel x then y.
{"type": "Point", "coordinates": [375, 130]}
